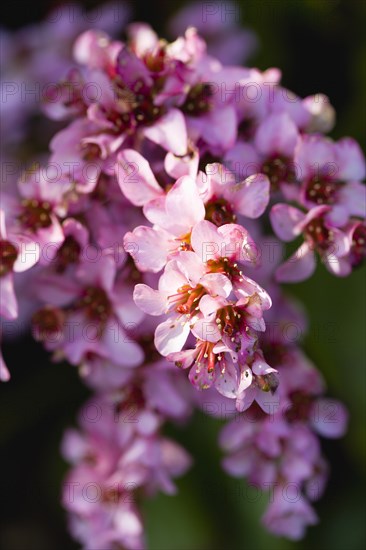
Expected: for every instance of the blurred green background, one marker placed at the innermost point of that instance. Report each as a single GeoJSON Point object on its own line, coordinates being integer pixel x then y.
{"type": "Point", "coordinates": [320, 47]}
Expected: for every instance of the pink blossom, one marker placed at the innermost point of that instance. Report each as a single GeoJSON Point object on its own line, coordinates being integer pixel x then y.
{"type": "Point", "coordinates": [289, 518]}
{"type": "Point", "coordinates": [181, 286]}
{"type": "Point", "coordinates": [330, 242]}
{"type": "Point", "coordinates": [18, 252]}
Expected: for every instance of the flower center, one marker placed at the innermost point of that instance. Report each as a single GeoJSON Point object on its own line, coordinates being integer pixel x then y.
{"type": "Point", "coordinates": [186, 299]}
{"type": "Point", "coordinates": [47, 322]}
{"type": "Point", "coordinates": [246, 128]}
{"type": "Point", "coordinates": [133, 400]}
{"type": "Point", "coordinates": [144, 110]}
{"type": "Point", "coordinates": [91, 151]}
{"type": "Point", "coordinates": [185, 242]}
{"type": "Point", "coordinates": [319, 235]}
{"type": "Point", "coordinates": [229, 320]}
{"type": "Point", "coordinates": [226, 266]}
{"type": "Point", "coordinates": [198, 100]}
{"type": "Point", "coordinates": [8, 256]}
{"type": "Point", "coordinates": [206, 355]}
{"type": "Point", "coordinates": [36, 214]}
{"type": "Point", "coordinates": [95, 303]}
{"type": "Point", "coordinates": [358, 247]}
{"type": "Point", "coordinates": [278, 169]}
{"type": "Point", "coordinates": [321, 191]}
{"type": "Point", "coordinates": [219, 212]}
{"type": "Point", "coordinates": [155, 61]}
{"type": "Point", "coordinates": [112, 495]}
{"type": "Point", "coordinates": [68, 253]}
{"type": "Point", "coordinates": [120, 121]}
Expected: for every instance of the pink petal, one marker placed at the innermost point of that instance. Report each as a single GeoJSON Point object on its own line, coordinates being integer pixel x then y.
{"type": "Point", "coordinates": [206, 330]}
{"type": "Point", "coordinates": [148, 247]}
{"type": "Point", "coordinates": [269, 402]}
{"type": "Point", "coordinates": [74, 228]}
{"type": "Point", "coordinates": [200, 377]}
{"type": "Point", "coordinates": [217, 284]}
{"type": "Point", "coordinates": [171, 335]}
{"type": "Point", "coordinates": [141, 38]}
{"type": "Point", "coordinates": [277, 135]}
{"type": "Point", "coordinates": [184, 205]}
{"type": "Point", "coordinates": [246, 398]}
{"type": "Point", "coordinates": [183, 358]}
{"type": "Point", "coordinates": [148, 300]}
{"type": "Point", "coordinates": [4, 373]}
{"type": "Point", "coordinates": [329, 418]}
{"type": "Point", "coordinates": [2, 225]}
{"type": "Point", "coordinates": [8, 301]}
{"type": "Point", "coordinates": [206, 241]}
{"type": "Point", "coordinates": [338, 216]}
{"type": "Point", "coordinates": [56, 289]}
{"type": "Point", "coordinates": [209, 305]}
{"type": "Point", "coordinates": [100, 272]}
{"type": "Point", "coordinates": [220, 128]}
{"type": "Point", "coordinates": [299, 267]}
{"type": "Point", "coordinates": [340, 267]}
{"type": "Point", "coordinates": [352, 196]}
{"type": "Point", "coordinates": [243, 160]}
{"type": "Point", "coordinates": [251, 196]}
{"type": "Point", "coordinates": [155, 212]}
{"type": "Point", "coordinates": [286, 101]}
{"type": "Point", "coordinates": [169, 132]}
{"type": "Point", "coordinates": [350, 160]}
{"type": "Point", "coordinates": [135, 178]}
{"type": "Point", "coordinates": [191, 267]}
{"type": "Point", "coordinates": [28, 253]}
{"type": "Point", "coordinates": [284, 220]}
{"type": "Point", "coordinates": [177, 167]}
{"type": "Point", "coordinates": [315, 155]}
{"type": "Point", "coordinates": [226, 382]}
{"type": "Point", "coordinates": [120, 348]}
{"type": "Point", "coordinates": [245, 380]}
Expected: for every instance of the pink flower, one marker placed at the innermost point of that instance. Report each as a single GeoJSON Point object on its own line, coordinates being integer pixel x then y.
{"type": "Point", "coordinates": [97, 309]}
{"type": "Point", "coordinates": [330, 242]}
{"type": "Point", "coordinates": [36, 214]}
{"type": "Point", "coordinates": [134, 101]}
{"type": "Point", "coordinates": [222, 249]}
{"type": "Point", "coordinates": [357, 236]}
{"type": "Point", "coordinates": [18, 252]}
{"type": "Point", "coordinates": [275, 140]}
{"type": "Point", "coordinates": [225, 196]}
{"type": "Point", "coordinates": [181, 287]}
{"type": "Point", "coordinates": [136, 179]}
{"type": "Point", "coordinates": [111, 458]}
{"type": "Point", "coordinates": [331, 174]}
{"type": "Point", "coordinates": [289, 516]}
{"type": "Point", "coordinates": [173, 217]}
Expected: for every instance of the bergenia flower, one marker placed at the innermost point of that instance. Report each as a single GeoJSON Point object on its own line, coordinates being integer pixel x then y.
{"type": "Point", "coordinates": [149, 228]}
{"type": "Point", "coordinates": [331, 243]}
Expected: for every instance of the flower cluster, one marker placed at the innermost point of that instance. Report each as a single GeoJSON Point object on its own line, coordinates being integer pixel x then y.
{"type": "Point", "coordinates": [279, 452]}
{"type": "Point", "coordinates": [119, 455]}
{"type": "Point", "coordinates": [146, 235]}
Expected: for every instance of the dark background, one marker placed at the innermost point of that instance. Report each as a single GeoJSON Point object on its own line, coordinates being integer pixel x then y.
{"type": "Point", "coordinates": [319, 46]}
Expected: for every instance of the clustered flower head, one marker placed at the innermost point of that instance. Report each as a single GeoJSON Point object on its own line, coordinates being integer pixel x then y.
{"type": "Point", "coordinates": [152, 269]}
